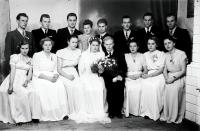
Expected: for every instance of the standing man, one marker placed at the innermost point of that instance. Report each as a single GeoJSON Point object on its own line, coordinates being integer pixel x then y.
{"type": "Point", "coordinates": [149, 30]}
{"type": "Point", "coordinates": [14, 38]}
{"type": "Point", "coordinates": [43, 31]}
{"type": "Point", "coordinates": [64, 34]}
{"type": "Point", "coordinates": [123, 36]}
{"type": "Point", "coordinates": [114, 79]}
{"type": "Point", "coordinates": [102, 25]}
{"type": "Point", "coordinates": [183, 41]}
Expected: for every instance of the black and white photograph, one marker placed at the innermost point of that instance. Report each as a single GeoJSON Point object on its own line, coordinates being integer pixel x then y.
{"type": "Point", "coordinates": [107, 65]}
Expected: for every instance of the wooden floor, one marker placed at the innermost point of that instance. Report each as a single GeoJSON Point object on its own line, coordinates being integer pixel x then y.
{"type": "Point", "coordinates": [132, 124]}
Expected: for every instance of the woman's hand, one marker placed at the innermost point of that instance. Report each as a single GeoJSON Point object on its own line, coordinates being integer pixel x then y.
{"type": "Point", "coordinates": [25, 83]}
{"type": "Point", "coordinates": [169, 80]}
{"type": "Point", "coordinates": [54, 78]}
{"type": "Point", "coordinates": [144, 76]}
{"type": "Point", "coordinates": [134, 77]}
{"type": "Point", "coordinates": [70, 77]}
{"type": "Point", "coordinates": [101, 69]}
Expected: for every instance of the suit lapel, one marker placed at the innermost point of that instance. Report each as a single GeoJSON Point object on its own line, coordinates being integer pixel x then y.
{"type": "Point", "coordinates": [19, 35]}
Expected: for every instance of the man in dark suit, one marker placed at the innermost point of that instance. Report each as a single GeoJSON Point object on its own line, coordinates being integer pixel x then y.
{"type": "Point", "coordinates": [43, 32]}
{"type": "Point", "coordinates": [148, 31]}
{"type": "Point", "coordinates": [114, 80]}
{"type": "Point", "coordinates": [102, 25]}
{"type": "Point", "coordinates": [14, 38]}
{"type": "Point", "coordinates": [64, 34]}
{"type": "Point", "coordinates": [123, 36]}
{"type": "Point", "coordinates": [183, 41]}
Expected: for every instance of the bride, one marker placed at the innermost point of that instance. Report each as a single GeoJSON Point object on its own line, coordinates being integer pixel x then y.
{"type": "Point", "coordinates": [92, 87]}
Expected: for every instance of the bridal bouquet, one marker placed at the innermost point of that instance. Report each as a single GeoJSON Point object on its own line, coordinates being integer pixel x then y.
{"type": "Point", "coordinates": [108, 64]}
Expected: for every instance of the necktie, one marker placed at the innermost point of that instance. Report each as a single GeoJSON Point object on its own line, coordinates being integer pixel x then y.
{"type": "Point", "coordinates": [171, 32]}
{"type": "Point", "coordinates": [71, 31]}
{"type": "Point", "coordinates": [45, 32]}
{"type": "Point", "coordinates": [126, 34]}
{"type": "Point", "coordinates": [23, 33]}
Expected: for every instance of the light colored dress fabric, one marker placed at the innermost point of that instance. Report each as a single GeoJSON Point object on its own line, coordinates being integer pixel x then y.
{"type": "Point", "coordinates": [53, 96]}
{"type": "Point", "coordinates": [22, 105]}
{"type": "Point", "coordinates": [133, 87]}
{"type": "Point", "coordinates": [70, 59]}
{"type": "Point", "coordinates": [92, 98]}
{"type": "Point", "coordinates": [84, 41]}
{"type": "Point", "coordinates": [153, 87]}
{"type": "Point", "coordinates": [174, 94]}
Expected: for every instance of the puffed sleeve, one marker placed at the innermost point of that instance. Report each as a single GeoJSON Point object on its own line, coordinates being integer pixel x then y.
{"type": "Point", "coordinates": [81, 64]}
{"type": "Point", "coordinates": [183, 57]}
{"type": "Point", "coordinates": [54, 56]}
{"type": "Point", "coordinates": [14, 59]}
{"type": "Point", "coordinates": [162, 59]}
{"type": "Point", "coordinates": [36, 65]}
{"type": "Point", "coordinates": [59, 53]}
{"type": "Point", "coordinates": [143, 60]}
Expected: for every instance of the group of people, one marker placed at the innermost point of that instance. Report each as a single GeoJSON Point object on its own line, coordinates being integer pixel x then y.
{"type": "Point", "coordinates": [57, 83]}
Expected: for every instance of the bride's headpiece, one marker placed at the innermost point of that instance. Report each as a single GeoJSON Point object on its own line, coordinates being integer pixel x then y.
{"type": "Point", "coordinates": [91, 39]}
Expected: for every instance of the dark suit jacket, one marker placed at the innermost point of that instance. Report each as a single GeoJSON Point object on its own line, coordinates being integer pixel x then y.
{"type": "Point", "coordinates": [142, 37]}
{"type": "Point", "coordinates": [102, 45]}
{"type": "Point", "coordinates": [12, 40]}
{"type": "Point", "coordinates": [121, 43]}
{"type": "Point", "coordinates": [38, 34]}
{"type": "Point", "coordinates": [183, 41]}
{"type": "Point", "coordinates": [122, 67]}
{"type": "Point", "coordinates": [62, 37]}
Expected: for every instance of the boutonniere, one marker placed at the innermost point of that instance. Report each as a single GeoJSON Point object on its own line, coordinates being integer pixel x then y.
{"type": "Point", "coordinates": [26, 37]}
{"type": "Point", "coordinates": [131, 38]}
{"type": "Point", "coordinates": [152, 33]}
{"type": "Point", "coordinates": [50, 36]}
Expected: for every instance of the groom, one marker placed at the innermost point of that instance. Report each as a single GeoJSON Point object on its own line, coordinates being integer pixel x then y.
{"type": "Point", "coordinates": [114, 84]}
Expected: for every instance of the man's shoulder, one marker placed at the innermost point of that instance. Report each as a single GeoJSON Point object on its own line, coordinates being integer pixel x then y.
{"type": "Point", "coordinates": [52, 30]}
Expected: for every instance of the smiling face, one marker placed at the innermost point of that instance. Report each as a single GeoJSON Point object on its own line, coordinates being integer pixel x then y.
{"type": "Point", "coordinates": [24, 49]}
{"type": "Point", "coordinates": [73, 43]}
{"type": "Point", "coordinates": [72, 21]}
{"type": "Point", "coordinates": [22, 22]}
{"type": "Point", "coordinates": [94, 46]}
{"type": "Point", "coordinates": [47, 46]}
{"type": "Point", "coordinates": [151, 44]}
{"type": "Point", "coordinates": [126, 23]}
{"type": "Point", "coordinates": [169, 44]}
{"type": "Point", "coordinates": [133, 47]}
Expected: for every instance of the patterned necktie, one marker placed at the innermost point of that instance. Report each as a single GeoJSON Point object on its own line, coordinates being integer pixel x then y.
{"type": "Point", "coordinates": [45, 32]}
{"type": "Point", "coordinates": [24, 33]}
{"type": "Point", "coordinates": [71, 31]}
{"type": "Point", "coordinates": [171, 32]}
{"type": "Point", "coordinates": [126, 35]}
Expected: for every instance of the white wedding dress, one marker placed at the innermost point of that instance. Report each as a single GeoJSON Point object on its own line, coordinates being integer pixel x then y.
{"type": "Point", "coordinates": [92, 88]}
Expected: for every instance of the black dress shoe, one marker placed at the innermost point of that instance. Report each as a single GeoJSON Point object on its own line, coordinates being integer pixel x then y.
{"type": "Point", "coordinates": [65, 118]}
{"type": "Point", "coordinates": [19, 124]}
{"type": "Point", "coordinates": [35, 120]}
{"type": "Point", "coordinates": [146, 117]}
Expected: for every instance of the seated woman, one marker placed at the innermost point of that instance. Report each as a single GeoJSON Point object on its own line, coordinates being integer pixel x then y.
{"type": "Point", "coordinates": [18, 102]}
{"type": "Point", "coordinates": [153, 83]}
{"type": "Point", "coordinates": [174, 73]}
{"type": "Point", "coordinates": [68, 59]}
{"type": "Point", "coordinates": [92, 88]}
{"type": "Point", "coordinates": [136, 67]}
{"type": "Point", "coordinates": [84, 38]}
{"type": "Point", "coordinates": [48, 85]}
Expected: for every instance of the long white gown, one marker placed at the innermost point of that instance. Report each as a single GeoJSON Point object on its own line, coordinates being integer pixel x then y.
{"type": "Point", "coordinates": [133, 88]}
{"type": "Point", "coordinates": [53, 96]}
{"type": "Point", "coordinates": [92, 90]}
{"type": "Point", "coordinates": [153, 87]}
{"type": "Point", "coordinates": [70, 59]}
{"type": "Point", "coordinates": [22, 105]}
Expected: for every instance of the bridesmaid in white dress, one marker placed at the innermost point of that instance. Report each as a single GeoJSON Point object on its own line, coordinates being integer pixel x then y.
{"type": "Point", "coordinates": [92, 87]}
{"type": "Point", "coordinates": [48, 85]}
{"type": "Point", "coordinates": [136, 67]}
{"type": "Point", "coordinates": [153, 83]}
{"type": "Point", "coordinates": [68, 59]}
{"type": "Point", "coordinates": [174, 73]}
{"type": "Point", "coordinates": [18, 102]}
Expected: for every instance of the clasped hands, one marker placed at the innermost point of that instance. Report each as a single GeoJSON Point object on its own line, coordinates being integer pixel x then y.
{"type": "Point", "coordinates": [53, 78]}
{"type": "Point", "coordinates": [117, 78]}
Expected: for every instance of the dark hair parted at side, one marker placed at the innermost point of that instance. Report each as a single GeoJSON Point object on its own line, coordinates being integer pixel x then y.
{"type": "Point", "coordinates": [46, 39]}
{"type": "Point", "coordinates": [71, 14]}
{"type": "Point", "coordinates": [154, 39]}
{"type": "Point", "coordinates": [88, 22]}
{"type": "Point", "coordinates": [44, 16]}
{"type": "Point", "coordinates": [148, 14]}
{"type": "Point", "coordinates": [171, 14]}
{"type": "Point", "coordinates": [102, 20]}
{"type": "Point", "coordinates": [21, 14]}
{"type": "Point", "coordinates": [72, 36]}
{"type": "Point", "coordinates": [126, 16]}
{"type": "Point", "coordinates": [171, 38]}
{"type": "Point", "coordinates": [133, 41]}
{"type": "Point", "coordinates": [92, 39]}
{"type": "Point", "coordinates": [21, 44]}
